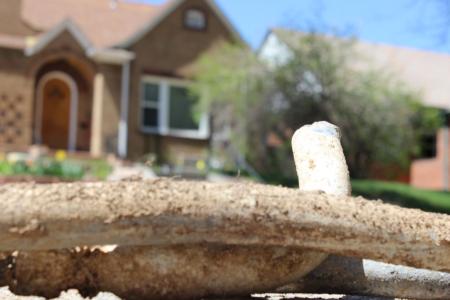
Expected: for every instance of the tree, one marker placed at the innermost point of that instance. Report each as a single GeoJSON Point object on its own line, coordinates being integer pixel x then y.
{"type": "Point", "coordinates": [381, 120]}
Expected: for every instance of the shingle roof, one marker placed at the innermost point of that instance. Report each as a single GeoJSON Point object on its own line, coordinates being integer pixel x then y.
{"type": "Point", "coordinates": [105, 22]}
{"type": "Point", "coordinates": [11, 41]}
{"type": "Point", "coordinates": [425, 71]}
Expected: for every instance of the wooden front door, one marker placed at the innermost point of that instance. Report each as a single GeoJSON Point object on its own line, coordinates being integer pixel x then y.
{"type": "Point", "coordinates": [56, 99]}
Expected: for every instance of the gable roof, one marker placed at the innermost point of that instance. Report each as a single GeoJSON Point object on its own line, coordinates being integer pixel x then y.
{"type": "Point", "coordinates": [104, 22]}
{"type": "Point", "coordinates": [111, 55]}
{"type": "Point", "coordinates": [426, 71]}
{"type": "Point", "coordinates": [170, 7]}
{"type": "Point", "coordinates": [51, 35]}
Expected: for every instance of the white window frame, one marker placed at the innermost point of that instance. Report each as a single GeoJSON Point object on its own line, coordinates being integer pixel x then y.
{"type": "Point", "coordinates": [163, 107]}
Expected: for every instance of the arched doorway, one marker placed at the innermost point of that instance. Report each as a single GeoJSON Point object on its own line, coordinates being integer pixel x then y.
{"type": "Point", "coordinates": [56, 111]}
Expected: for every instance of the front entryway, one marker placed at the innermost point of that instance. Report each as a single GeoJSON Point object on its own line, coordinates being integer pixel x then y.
{"type": "Point", "coordinates": [56, 111]}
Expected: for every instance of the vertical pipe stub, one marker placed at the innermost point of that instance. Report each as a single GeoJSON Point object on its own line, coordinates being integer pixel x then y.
{"type": "Point", "coordinates": [319, 159]}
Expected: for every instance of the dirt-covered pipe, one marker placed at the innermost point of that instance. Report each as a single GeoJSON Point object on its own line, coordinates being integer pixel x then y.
{"type": "Point", "coordinates": [159, 272]}
{"type": "Point", "coordinates": [164, 212]}
{"type": "Point", "coordinates": [347, 275]}
{"type": "Point", "coordinates": [321, 166]}
{"type": "Point", "coordinates": [319, 159]}
{"type": "Point", "coordinates": [320, 162]}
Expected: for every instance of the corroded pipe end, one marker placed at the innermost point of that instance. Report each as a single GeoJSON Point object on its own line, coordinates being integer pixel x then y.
{"type": "Point", "coordinates": [319, 159]}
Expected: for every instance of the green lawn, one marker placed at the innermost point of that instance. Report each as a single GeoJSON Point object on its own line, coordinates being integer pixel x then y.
{"type": "Point", "coordinates": [403, 195]}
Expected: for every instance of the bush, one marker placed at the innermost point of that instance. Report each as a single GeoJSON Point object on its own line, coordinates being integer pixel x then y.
{"type": "Point", "coordinates": [260, 106]}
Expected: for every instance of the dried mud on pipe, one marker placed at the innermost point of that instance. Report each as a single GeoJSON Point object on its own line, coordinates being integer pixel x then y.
{"type": "Point", "coordinates": [152, 272]}
{"type": "Point", "coordinates": [164, 211]}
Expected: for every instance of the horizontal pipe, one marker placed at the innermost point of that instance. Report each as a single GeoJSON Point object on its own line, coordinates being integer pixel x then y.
{"type": "Point", "coordinates": [213, 270]}
{"type": "Point", "coordinates": [159, 272]}
{"type": "Point", "coordinates": [166, 212]}
{"type": "Point", "coordinates": [348, 275]}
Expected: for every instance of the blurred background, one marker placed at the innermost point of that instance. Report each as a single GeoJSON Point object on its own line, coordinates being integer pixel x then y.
{"type": "Point", "coordinates": [214, 90]}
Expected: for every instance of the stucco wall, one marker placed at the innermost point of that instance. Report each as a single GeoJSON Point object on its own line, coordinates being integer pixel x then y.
{"type": "Point", "coordinates": [170, 50]}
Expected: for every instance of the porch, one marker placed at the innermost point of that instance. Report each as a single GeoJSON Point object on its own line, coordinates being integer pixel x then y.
{"type": "Point", "coordinates": [64, 95]}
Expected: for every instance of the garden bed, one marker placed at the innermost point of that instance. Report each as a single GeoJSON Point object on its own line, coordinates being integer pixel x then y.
{"type": "Point", "coordinates": [30, 178]}
{"type": "Point", "coordinates": [50, 168]}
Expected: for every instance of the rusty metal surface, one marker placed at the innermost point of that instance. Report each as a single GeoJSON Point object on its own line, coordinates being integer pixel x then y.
{"type": "Point", "coordinates": [165, 212]}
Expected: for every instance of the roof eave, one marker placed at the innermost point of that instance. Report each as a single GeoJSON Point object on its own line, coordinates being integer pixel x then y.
{"type": "Point", "coordinates": [51, 35]}
{"type": "Point", "coordinates": [219, 12]}
{"type": "Point", "coordinates": [13, 44]}
{"type": "Point", "coordinates": [150, 25]}
{"type": "Point", "coordinates": [111, 56]}
{"type": "Point", "coordinates": [108, 55]}
{"type": "Point", "coordinates": [171, 8]}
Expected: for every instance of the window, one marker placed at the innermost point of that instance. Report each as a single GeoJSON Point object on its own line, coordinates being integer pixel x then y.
{"type": "Point", "coordinates": [150, 105]}
{"type": "Point", "coordinates": [167, 108]}
{"type": "Point", "coordinates": [195, 19]}
{"type": "Point", "coordinates": [428, 146]}
{"type": "Point", "coordinates": [181, 112]}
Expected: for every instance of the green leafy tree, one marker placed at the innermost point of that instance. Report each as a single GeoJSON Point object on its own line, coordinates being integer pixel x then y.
{"type": "Point", "coordinates": [381, 120]}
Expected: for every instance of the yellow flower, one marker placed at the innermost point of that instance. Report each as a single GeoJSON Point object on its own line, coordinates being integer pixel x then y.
{"type": "Point", "coordinates": [2, 156]}
{"type": "Point", "coordinates": [200, 165]}
{"type": "Point", "coordinates": [60, 155]}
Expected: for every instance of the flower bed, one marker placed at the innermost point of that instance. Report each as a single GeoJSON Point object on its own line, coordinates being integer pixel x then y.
{"type": "Point", "coordinates": [23, 167]}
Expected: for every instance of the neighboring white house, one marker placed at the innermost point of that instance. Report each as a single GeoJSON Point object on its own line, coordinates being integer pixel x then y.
{"type": "Point", "coordinates": [424, 71]}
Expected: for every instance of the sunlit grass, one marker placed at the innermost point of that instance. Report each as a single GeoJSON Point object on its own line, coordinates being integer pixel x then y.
{"type": "Point", "coordinates": [403, 195]}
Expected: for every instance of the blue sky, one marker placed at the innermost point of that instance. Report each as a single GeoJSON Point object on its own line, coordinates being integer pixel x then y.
{"type": "Point", "coordinates": [409, 23]}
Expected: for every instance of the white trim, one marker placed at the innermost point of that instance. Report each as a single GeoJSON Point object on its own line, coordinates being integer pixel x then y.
{"type": "Point", "coordinates": [96, 147]}
{"type": "Point", "coordinates": [163, 111]}
{"type": "Point", "coordinates": [171, 80]}
{"type": "Point", "coordinates": [51, 35]}
{"type": "Point", "coordinates": [163, 128]}
{"type": "Point", "coordinates": [111, 56]}
{"type": "Point", "coordinates": [71, 145]}
{"type": "Point", "coordinates": [122, 139]}
{"type": "Point", "coordinates": [171, 8]}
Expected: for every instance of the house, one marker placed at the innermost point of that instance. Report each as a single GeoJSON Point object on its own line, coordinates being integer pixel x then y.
{"type": "Point", "coordinates": [105, 76]}
{"type": "Point", "coordinates": [425, 71]}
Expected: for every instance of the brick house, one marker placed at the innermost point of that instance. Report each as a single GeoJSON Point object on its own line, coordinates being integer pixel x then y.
{"type": "Point", "coordinates": [424, 71]}
{"type": "Point", "coordinates": [105, 76]}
